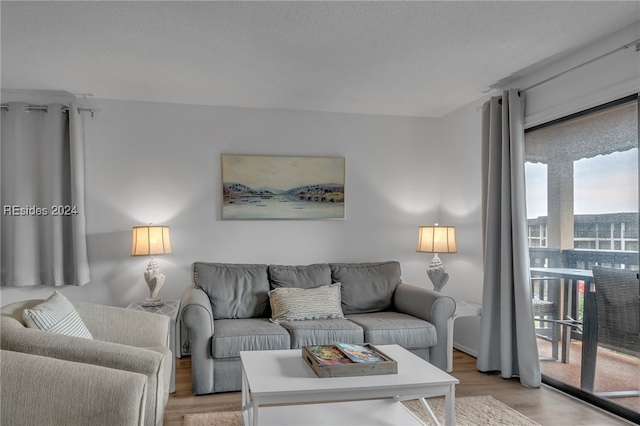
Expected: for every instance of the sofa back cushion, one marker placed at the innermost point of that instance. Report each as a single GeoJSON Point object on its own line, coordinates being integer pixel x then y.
{"type": "Point", "coordinates": [235, 290]}
{"type": "Point", "coordinates": [366, 287]}
{"type": "Point", "coordinates": [310, 276]}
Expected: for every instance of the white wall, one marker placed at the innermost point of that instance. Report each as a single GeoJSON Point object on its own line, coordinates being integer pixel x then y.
{"type": "Point", "coordinates": [461, 202]}
{"type": "Point", "coordinates": [160, 163]}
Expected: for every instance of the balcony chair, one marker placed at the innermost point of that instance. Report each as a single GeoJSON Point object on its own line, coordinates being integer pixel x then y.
{"type": "Point", "coordinates": [546, 312]}
{"type": "Point", "coordinates": [123, 339]}
{"type": "Point", "coordinates": [618, 314]}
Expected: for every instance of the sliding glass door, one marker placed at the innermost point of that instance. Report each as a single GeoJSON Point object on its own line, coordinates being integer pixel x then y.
{"type": "Point", "coordinates": [582, 208]}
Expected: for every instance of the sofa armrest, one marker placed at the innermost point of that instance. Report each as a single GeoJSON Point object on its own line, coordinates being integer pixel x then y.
{"type": "Point", "coordinates": [124, 326]}
{"type": "Point", "coordinates": [424, 303]}
{"type": "Point", "coordinates": [196, 312]}
{"type": "Point", "coordinates": [66, 394]}
{"type": "Point", "coordinates": [197, 316]}
{"type": "Point", "coordinates": [431, 306]}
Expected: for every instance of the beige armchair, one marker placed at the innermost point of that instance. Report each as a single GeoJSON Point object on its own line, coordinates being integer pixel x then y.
{"type": "Point", "coordinates": [124, 339]}
{"type": "Point", "coordinates": [38, 390]}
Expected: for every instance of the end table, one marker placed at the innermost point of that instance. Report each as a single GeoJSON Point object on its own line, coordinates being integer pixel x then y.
{"type": "Point", "coordinates": [463, 309]}
{"type": "Point", "coordinates": [170, 309]}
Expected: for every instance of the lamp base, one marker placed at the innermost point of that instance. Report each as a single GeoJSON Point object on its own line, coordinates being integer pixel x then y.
{"type": "Point", "coordinates": [436, 273]}
{"type": "Point", "coordinates": [150, 302]}
{"type": "Point", "coordinates": [155, 279]}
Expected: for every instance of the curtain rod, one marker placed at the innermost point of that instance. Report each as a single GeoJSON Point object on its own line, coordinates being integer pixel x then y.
{"type": "Point", "coordinates": [626, 46]}
{"type": "Point", "coordinates": [553, 77]}
{"type": "Point", "coordinates": [45, 108]}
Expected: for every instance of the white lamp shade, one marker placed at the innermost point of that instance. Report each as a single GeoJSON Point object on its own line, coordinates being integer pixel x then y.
{"type": "Point", "coordinates": [150, 240]}
{"type": "Point", "coordinates": [437, 239]}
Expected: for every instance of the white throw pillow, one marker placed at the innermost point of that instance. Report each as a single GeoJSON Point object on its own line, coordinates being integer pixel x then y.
{"type": "Point", "coordinates": [57, 315]}
{"type": "Point", "coordinates": [293, 304]}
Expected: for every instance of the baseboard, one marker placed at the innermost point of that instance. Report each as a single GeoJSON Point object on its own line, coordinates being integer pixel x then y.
{"type": "Point", "coordinates": [465, 349]}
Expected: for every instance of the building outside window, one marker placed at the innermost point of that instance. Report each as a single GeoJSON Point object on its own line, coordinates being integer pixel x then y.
{"type": "Point", "coordinates": [612, 231]}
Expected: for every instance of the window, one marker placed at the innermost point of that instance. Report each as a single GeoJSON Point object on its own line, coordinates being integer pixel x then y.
{"type": "Point", "coordinates": [582, 210]}
{"type": "Point", "coordinates": [582, 181]}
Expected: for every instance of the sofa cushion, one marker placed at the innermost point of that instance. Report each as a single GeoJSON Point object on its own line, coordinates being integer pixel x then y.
{"type": "Point", "coordinates": [323, 332]}
{"type": "Point", "coordinates": [299, 276]}
{"type": "Point", "coordinates": [294, 304]}
{"type": "Point", "coordinates": [235, 290]}
{"type": "Point", "coordinates": [366, 287]}
{"type": "Point", "coordinates": [386, 328]}
{"type": "Point", "coordinates": [57, 315]}
{"type": "Point", "coordinates": [233, 336]}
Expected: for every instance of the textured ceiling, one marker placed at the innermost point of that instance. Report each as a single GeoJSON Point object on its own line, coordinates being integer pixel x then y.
{"type": "Point", "coordinates": [396, 58]}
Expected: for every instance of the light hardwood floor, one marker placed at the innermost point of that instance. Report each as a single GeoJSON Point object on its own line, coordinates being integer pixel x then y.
{"type": "Point", "coordinates": [544, 405]}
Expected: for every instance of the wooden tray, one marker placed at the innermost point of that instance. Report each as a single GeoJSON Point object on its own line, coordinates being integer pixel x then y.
{"type": "Point", "coordinates": [389, 366]}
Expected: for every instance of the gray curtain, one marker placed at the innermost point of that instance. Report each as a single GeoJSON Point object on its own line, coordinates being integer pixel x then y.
{"type": "Point", "coordinates": [507, 334]}
{"type": "Point", "coordinates": [43, 240]}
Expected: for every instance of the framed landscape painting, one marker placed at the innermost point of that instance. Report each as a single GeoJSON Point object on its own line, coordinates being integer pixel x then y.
{"type": "Point", "coordinates": [282, 187]}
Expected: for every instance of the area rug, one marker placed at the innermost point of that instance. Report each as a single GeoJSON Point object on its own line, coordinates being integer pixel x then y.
{"type": "Point", "coordinates": [470, 411]}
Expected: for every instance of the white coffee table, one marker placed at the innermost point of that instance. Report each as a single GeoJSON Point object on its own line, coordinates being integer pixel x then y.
{"type": "Point", "coordinates": [282, 377]}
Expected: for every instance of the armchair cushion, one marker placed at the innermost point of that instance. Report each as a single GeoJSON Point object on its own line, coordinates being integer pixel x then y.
{"type": "Point", "coordinates": [57, 315]}
{"type": "Point", "coordinates": [366, 287]}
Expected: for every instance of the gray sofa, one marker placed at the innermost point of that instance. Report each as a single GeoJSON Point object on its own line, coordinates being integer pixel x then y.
{"type": "Point", "coordinates": [227, 310]}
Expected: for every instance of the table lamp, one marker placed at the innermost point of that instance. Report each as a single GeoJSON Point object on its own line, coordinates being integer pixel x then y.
{"type": "Point", "coordinates": [151, 240]}
{"type": "Point", "coordinates": [437, 239]}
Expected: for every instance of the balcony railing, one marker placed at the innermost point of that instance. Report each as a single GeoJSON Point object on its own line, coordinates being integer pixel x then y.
{"type": "Point", "coordinates": [541, 257]}
{"type": "Point", "coordinates": [582, 258]}
{"type": "Point", "coordinates": [587, 259]}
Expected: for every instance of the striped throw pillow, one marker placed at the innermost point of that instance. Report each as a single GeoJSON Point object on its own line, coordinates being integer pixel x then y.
{"type": "Point", "coordinates": [294, 304]}
{"type": "Point", "coordinates": [57, 315]}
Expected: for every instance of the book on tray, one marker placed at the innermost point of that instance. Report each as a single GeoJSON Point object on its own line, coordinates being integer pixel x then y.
{"type": "Point", "coordinates": [359, 353]}
{"type": "Point", "coordinates": [344, 353]}
{"type": "Point", "coordinates": [329, 355]}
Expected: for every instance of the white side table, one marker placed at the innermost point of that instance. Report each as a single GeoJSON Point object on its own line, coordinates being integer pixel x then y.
{"type": "Point", "coordinates": [170, 309]}
{"type": "Point", "coordinates": [463, 309]}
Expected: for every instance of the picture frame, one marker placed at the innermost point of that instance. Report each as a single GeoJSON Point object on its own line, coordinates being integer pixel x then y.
{"type": "Point", "coordinates": [268, 187]}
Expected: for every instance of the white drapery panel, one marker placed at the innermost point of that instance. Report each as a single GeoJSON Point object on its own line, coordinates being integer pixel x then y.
{"type": "Point", "coordinates": [507, 334]}
{"type": "Point", "coordinates": [43, 220]}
